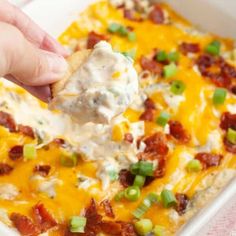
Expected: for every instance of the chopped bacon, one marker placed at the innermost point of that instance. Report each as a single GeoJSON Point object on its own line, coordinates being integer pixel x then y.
{"type": "Point", "coordinates": [94, 38]}
{"type": "Point", "coordinates": [93, 225]}
{"type": "Point", "coordinates": [16, 152]}
{"type": "Point", "coordinates": [189, 47]}
{"type": "Point", "coordinates": [60, 142]}
{"type": "Point", "coordinates": [157, 15]}
{"type": "Point", "coordinates": [149, 104]}
{"type": "Point", "coordinates": [111, 228]}
{"type": "Point", "coordinates": [223, 71]}
{"type": "Point", "coordinates": [147, 115]}
{"type": "Point", "coordinates": [129, 138]}
{"type": "Point", "coordinates": [106, 204]}
{"type": "Point", "coordinates": [24, 225]}
{"type": "Point", "coordinates": [151, 65]}
{"type": "Point", "coordinates": [43, 170]}
{"type": "Point", "coordinates": [5, 169]}
{"type": "Point", "coordinates": [209, 159]}
{"type": "Point", "coordinates": [126, 178]}
{"type": "Point", "coordinates": [7, 121]}
{"type": "Point", "coordinates": [130, 15]}
{"type": "Point", "coordinates": [128, 229]}
{"type": "Point", "coordinates": [230, 147]}
{"type": "Point", "coordinates": [161, 168]}
{"type": "Point", "coordinates": [182, 203]}
{"type": "Point", "coordinates": [178, 132]}
{"type": "Point", "coordinates": [43, 218]}
{"type": "Point", "coordinates": [26, 130]}
{"type": "Point", "coordinates": [227, 121]}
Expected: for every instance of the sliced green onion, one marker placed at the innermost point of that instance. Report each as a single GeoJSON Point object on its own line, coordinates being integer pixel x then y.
{"type": "Point", "coordinates": [146, 168]}
{"type": "Point", "coordinates": [29, 151]}
{"type": "Point", "coordinates": [147, 202]}
{"type": "Point", "coordinates": [69, 160]}
{"type": "Point", "coordinates": [143, 226]}
{"type": "Point", "coordinates": [213, 48]}
{"type": "Point", "coordinates": [231, 136]}
{"type": "Point", "coordinates": [122, 31]}
{"type": "Point", "coordinates": [132, 36]}
{"type": "Point", "coordinates": [168, 198]}
{"type": "Point", "coordinates": [159, 230]}
{"type": "Point", "coordinates": [134, 168]}
{"type": "Point", "coordinates": [173, 56]}
{"type": "Point", "coordinates": [177, 87]}
{"type": "Point", "coordinates": [163, 118]}
{"type": "Point", "coordinates": [219, 96]}
{"type": "Point", "coordinates": [170, 70]}
{"type": "Point", "coordinates": [119, 196]}
{"type": "Point", "coordinates": [132, 193]}
{"type": "Point", "coordinates": [161, 56]}
{"type": "Point", "coordinates": [113, 27]}
{"type": "Point", "coordinates": [194, 165]}
{"type": "Point", "coordinates": [131, 53]}
{"type": "Point", "coordinates": [77, 224]}
{"type": "Point", "coordinates": [139, 181]}
{"type": "Point", "coordinates": [113, 175]}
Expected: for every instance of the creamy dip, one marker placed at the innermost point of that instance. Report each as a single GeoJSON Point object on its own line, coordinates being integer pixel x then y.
{"type": "Point", "coordinates": [102, 88]}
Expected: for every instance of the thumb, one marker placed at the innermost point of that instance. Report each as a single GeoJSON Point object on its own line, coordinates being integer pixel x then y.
{"type": "Point", "coordinates": [26, 63]}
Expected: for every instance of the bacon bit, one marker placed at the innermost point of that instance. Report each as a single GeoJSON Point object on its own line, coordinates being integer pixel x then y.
{"type": "Point", "coordinates": [185, 48]}
{"type": "Point", "coordinates": [230, 147]}
{"type": "Point", "coordinates": [5, 169]}
{"type": "Point", "coordinates": [107, 208]}
{"type": "Point", "coordinates": [130, 15]}
{"type": "Point", "coordinates": [147, 115]}
{"type": "Point", "coordinates": [233, 89]}
{"type": "Point", "coordinates": [151, 65]}
{"type": "Point", "coordinates": [161, 168]}
{"type": "Point", "coordinates": [178, 132]}
{"type": "Point", "coordinates": [16, 152]}
{"type": "Point", "coordinates": [126, 178]}
{"type": "Point", "coordinates": [43, 218]}
{"type": "Point", "coordinates": [94, 38]}
{"type": "Point", "coordinates": [157, 15]}
{"type": "Point", "coordinates": [60, 142]}
{"type": "Point", "coordinates": [182, 202]}
{"type": "Point", "coordinates": [7, 121]}
{"type": "Point", "coordinates": [111, 228]}
{"type": "Point", "coordinates": [93, 225]}
{"type": "Point", "coordinates": [209, 159]}
{"type": "Point", "coordinates": [24, 225]}
{"type": "Point", "coordinates": [227, 121]}
{"type": "Point", "coordinates": [129, 138]}
{"type": "Point", "coordinates": [149, 104]}
{"type": "Point", "coordinates": [26, 130]}
{"type": "Point", "coordinates": [128, 229]}
{"type": "Point", "coordinates": [43, 170]}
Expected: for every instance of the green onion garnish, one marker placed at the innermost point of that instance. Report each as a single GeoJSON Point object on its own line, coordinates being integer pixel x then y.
{"type": "Point", "coordinates": [147, 202]}
{"type": "Point", "coordinates": [132, 193]}
{"type": "Point", "coordinates": [219, 96]}
{"type": "Point", "coordinates": [161, 56]}
{"type": "Point", "coordinates": [120, 195]}
{"type": "Point", "coordinates": [143, 168]}
{"type": "Point", "coordinates": [194, 165]}
{"type": "Point", "coordinates": [177, 87]}
{"type": "Point", "coordinates": [170, 70]}
{"type": "Point", "coordinates": [113, 175]}
{"type": "Point", "coordinates": [143, 226]}
{"type": "Point", "coordinates": [213, 48]}
{"type": "Point", "coordinates": [173, 56]}
{"type": "Point", "coordinates": [122, 31]}
{"type": "Point", "coordinates": [113, 27]}
{"type": "Point", "coordinates": [168, 199]}
{"type": "Point", "coordinates": [159, 230]}
{"type": "Point", "coordinates": [69, 160]}
{"type": "Point", "coordinates": [77, 224]}
{"type": "Point", "coordinates": [132, 36]}
{"type": "Point", "coordinates": [29, 151]}
{"type": "Point", "coordinates": [231, 136]}
{"type": "Point", "coordinates": [139, 181]}
{"type": "Point", "coordinates": [163, 118]}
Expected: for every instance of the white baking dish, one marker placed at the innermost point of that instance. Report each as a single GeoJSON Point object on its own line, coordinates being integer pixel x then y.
{"type": "Point", "coordinates": [220, 18]}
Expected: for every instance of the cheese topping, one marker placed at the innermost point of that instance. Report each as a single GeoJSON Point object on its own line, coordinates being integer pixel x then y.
{"type": "Point", "coordinates": [103, 87]}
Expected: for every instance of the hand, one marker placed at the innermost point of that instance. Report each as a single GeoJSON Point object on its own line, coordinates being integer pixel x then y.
{"type": "Point", "coordinates": [29, 56]}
